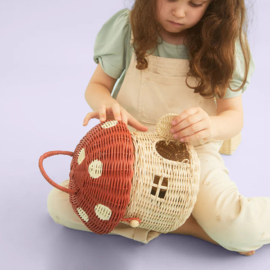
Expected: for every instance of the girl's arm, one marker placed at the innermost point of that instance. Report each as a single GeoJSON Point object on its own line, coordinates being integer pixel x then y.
{"type": "Point", "coordinates": [99, 89]}
{"type": "Point", "coordinates": [98, 96]}
{"type": "Point", "coordinates": [230, 118]}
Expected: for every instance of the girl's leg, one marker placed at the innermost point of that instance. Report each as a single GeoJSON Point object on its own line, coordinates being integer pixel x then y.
{"type": "Point", "coordinates": [60, 209]}
{"type": "Point", "coordinates": [191, 227]}
{"type": "Point", "coordinates": [234, 221]}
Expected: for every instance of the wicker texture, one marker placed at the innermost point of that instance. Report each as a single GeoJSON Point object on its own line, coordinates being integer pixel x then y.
{"type": "Point", "coordinates": [143, 179]}
{"type": "Point", "coordinates": [101, 171]}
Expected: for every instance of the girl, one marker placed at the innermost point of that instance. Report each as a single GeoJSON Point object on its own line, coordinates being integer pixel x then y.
{"type": "Point", "coordinates": [149, 60]}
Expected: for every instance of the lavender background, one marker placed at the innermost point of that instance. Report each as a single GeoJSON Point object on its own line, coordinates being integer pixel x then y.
{"type": "Point", "coordinates": [46, 62]}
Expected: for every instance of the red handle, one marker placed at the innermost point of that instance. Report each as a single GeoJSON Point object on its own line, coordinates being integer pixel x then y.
{"type": "Point", "coordinates": [40, 164]}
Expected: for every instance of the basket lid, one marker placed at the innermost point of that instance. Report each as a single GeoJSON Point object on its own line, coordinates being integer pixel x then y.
{"type": "Point", "coordinates": [101, 173]}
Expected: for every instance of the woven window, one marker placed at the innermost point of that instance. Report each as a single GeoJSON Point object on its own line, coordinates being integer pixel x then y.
{"type": "Point", "coordinates": [157, 189]}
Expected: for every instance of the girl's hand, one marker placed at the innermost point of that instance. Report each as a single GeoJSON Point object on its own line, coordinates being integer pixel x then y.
{"type": "Point", "coordinates": [114, 111]}
{"type": "Point", "coordinates": [193, 124]}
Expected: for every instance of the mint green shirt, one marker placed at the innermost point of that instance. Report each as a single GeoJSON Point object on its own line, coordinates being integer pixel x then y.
{"type": "Point", "coordinates": [113, 51]}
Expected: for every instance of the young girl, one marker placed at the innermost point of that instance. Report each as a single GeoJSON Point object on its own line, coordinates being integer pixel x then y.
{"type": "Point", "coordinates": [190, 58]}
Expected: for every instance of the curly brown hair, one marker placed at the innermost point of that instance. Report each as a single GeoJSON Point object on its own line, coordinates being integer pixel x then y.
{"type": "Point", "coordinates": [210, 43]}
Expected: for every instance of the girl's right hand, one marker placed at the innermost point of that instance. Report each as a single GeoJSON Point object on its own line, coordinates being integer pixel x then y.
{"type": "Point", "coordinates": [114, 111]}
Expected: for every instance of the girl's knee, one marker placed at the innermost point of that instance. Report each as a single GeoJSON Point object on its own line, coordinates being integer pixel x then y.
{"type": "Point", "coordinates": [52, 205]}
{"type": "Point", "coordinates": [234, 235]}
{"type": "Point", "coordinates": [61, 210]}
{"type": "Point", "coordinates": [57, 202]}
{"type": "Point", "coordinates": [237, 239]}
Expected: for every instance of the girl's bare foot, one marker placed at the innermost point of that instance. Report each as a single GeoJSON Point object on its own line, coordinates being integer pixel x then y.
{"type": "Point", "coordinates": [249, 253]}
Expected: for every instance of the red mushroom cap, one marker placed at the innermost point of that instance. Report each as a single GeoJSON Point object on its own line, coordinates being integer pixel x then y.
{"type": "Point", "coordinates": [101, 173]}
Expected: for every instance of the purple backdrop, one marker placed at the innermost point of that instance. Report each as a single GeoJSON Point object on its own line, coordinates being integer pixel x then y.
{"type": "Point", "coordinates": [46, 63]}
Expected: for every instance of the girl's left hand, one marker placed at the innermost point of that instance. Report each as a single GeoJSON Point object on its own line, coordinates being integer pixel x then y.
{"type": "Point", "coordinates": [193, 124]}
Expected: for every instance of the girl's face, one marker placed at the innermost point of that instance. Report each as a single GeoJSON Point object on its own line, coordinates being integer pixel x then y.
{"type": "Point", "coordinates": [185, 12]}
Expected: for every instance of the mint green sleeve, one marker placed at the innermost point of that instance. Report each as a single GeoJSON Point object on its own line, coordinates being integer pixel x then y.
{"type": "Point", "coordinates": [111, 42]}
{"type": "Point", "coordinates": [238, 74]}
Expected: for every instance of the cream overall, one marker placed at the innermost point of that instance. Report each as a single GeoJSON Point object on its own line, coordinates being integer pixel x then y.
{"type": "Point", "coordinates": [237, 223]}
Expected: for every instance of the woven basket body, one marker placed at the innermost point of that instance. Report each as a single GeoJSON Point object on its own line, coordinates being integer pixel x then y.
{"type": "Point", "coordinates": [165, 182]}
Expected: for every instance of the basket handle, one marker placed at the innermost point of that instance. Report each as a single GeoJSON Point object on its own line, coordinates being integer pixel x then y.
{"type": "Point", "coordinates": [40, 164]}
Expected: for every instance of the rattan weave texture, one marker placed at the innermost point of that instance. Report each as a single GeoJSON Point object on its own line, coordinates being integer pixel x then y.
{"type": "Point", "coordinates": [145, 179]}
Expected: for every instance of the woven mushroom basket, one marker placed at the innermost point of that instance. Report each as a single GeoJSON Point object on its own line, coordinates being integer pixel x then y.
{"type": "Point", "coordinates": [143, 179]}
